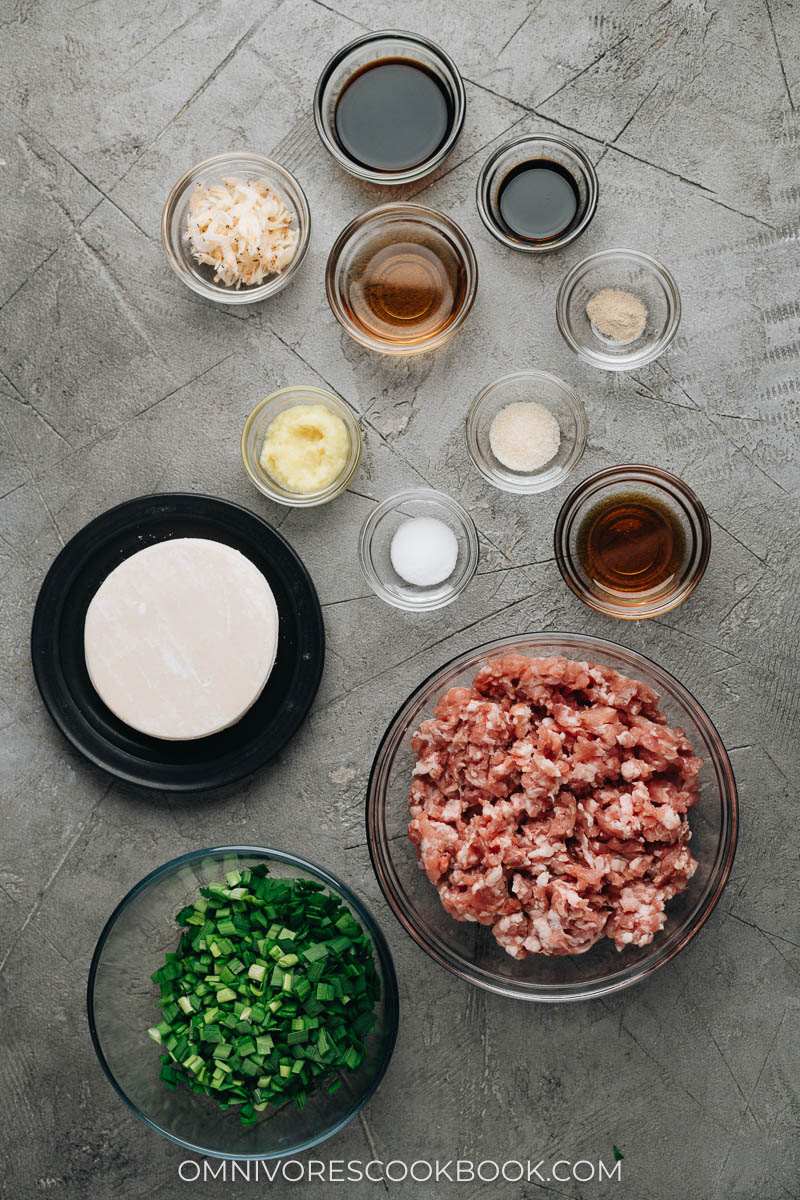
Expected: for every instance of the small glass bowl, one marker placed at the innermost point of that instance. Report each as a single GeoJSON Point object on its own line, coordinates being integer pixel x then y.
{"type": "Point", "coordinates": [259, 421]}
{"type": "Point", "coordinates": [521, 150]}
{"type": "Point", "coordinates": [376, 539]}
{"type": "Point", "coordinates": [470, 951]}
{"type": "Point", "coordinates": [212, 171]}
{"type": "Point", "coordinates": [373, 47]}
{"type": "Point", "coordinates": [368, 235]}
{"type": "Point", "coordinates": [631, 271]}
{"type": "Point", "coordinates": [552, 394]}
{"type": "Point", "coordinates": [122, 1003]}
{"type": "Point", "coordinates": [669, 491]}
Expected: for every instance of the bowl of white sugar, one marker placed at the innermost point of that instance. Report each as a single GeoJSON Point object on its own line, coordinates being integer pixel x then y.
{"type": "Point", "coordinates": [526, 432]}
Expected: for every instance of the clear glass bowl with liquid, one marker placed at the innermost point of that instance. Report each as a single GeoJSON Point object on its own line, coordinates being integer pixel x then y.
{"type": "Point", "coordinates": [653, 486]}
{"type": "Point", "coordinates": [401, 278]}
{"type": "Point", "coordinates": [359, 55]}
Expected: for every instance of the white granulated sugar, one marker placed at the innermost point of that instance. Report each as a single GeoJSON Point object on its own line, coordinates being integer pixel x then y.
{"type": "Point", "coordinates": [524, 436]}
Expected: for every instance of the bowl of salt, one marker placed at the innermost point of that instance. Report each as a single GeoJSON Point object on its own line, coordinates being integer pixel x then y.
{"type": "Point", "coordinates": [418, 549]}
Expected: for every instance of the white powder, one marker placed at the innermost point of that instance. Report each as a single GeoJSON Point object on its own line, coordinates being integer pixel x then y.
{"type": "Point", "coordinates": [424, 551]}
{"type": "Point", "coordinates": [524, 436]}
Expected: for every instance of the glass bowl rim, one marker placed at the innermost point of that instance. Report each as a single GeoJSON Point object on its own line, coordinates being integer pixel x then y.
{"type": "Point", "coordinates": [432, 218]}
{"type": "Point", "coordinates": [411, 174]}
{"type": "Point", "coordinates": [388, 980]}
{"type": "Point", "coordinates": [528, 485]}
{"type": "Point", "coordinates": [655, 477]}
{"type": "Point", "coordinates": [482, 187]}
{"type": "Point", "coordinates": [387, 505]}
{"type": "Point", "coordinates": [631, 360]}
{"type": "Point", "coordinates": [306, 499]}
{"type": "Point", "coordinates": [216, 292]}
{"type": "Point", "coordinates": [557, 993]}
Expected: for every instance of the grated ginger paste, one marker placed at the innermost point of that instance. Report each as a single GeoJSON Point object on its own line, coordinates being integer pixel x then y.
{"type": "Point", "coordinates": [305, 448]}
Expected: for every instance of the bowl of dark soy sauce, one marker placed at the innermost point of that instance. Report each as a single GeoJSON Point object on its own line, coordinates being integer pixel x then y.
{"type": "Point", "coordinates": [390, 106]}
{"type": "Point", "coordinates": [537, 193]}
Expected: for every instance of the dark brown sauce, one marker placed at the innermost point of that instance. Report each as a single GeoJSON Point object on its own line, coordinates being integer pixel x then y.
{"type": "Point", "coordinates": [393, 115]}
{"type": "Point", "coordinates": [631, 543]}
{"type": "Point", "coordinates": [406, 291]}
{"type": "Point", "coordinates": [538, 200]}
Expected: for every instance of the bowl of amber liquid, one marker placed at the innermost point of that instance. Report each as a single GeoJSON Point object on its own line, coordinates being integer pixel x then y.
{"type": "Point", "coordinates": [632, 541]}
{"type": "Point", "coordinates": [401, 278]}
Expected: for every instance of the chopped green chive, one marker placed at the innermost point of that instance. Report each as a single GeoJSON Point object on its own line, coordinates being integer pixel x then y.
{"type": "Point", "coordinates": [270, 994]}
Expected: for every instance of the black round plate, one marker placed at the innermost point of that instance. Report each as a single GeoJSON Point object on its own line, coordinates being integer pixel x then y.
{"type": "Point", "coordinates": [60, 667]}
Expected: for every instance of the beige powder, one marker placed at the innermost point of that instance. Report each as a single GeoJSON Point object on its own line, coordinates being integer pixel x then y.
{"type": "Point", "coordinates": [616, 314]}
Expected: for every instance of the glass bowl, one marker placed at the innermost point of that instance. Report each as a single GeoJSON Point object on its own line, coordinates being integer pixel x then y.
{"type": "Point", "coordinates": [255, 430]}
{"type": "Point", "coordinates": [375, 545]}
{"type": "Point", "coordinates": [405, 240]}
{"type": "Point", "coordinates": [469, 950]}
{"type": "Point", "coordinates": [630, 271]}
{"type": "Point", "coordinates": [523, 149]}
{"type": "Point", "coordinates": [122, 1003]}
{"type": "Point", "coordinates": [554, 395]}
{"type": "Point", "coordinates": [211, 171]}
{"type": "Point", "coordinates": [670, 492]}
{"type": "Point", "coordinates": [373, 47]}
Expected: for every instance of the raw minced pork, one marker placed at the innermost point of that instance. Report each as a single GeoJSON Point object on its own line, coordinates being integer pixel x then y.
{"type": "Point", "coordinates": [549, 801]}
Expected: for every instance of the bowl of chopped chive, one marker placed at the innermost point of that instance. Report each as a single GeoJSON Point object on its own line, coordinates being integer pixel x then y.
{"type": "Point", "coordinates": [243, 1002]}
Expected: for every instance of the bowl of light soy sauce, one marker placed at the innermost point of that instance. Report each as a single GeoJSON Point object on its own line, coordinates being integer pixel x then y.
{"type": "Point", "coordinates": [390, 106]}
{"type": "Point", "coordinates": [537, 193]}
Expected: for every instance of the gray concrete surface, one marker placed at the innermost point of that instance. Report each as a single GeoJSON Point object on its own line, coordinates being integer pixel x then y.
{"type": "Point", "coordinates": [116, 381]}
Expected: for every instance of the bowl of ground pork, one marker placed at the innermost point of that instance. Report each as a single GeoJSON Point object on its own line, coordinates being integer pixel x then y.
{"type": "Point", "coordinates": [552, 816]}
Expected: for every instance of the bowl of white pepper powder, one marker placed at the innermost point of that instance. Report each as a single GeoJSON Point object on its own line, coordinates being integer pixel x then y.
{"type": "Point", "coordinates": [618, 309]}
